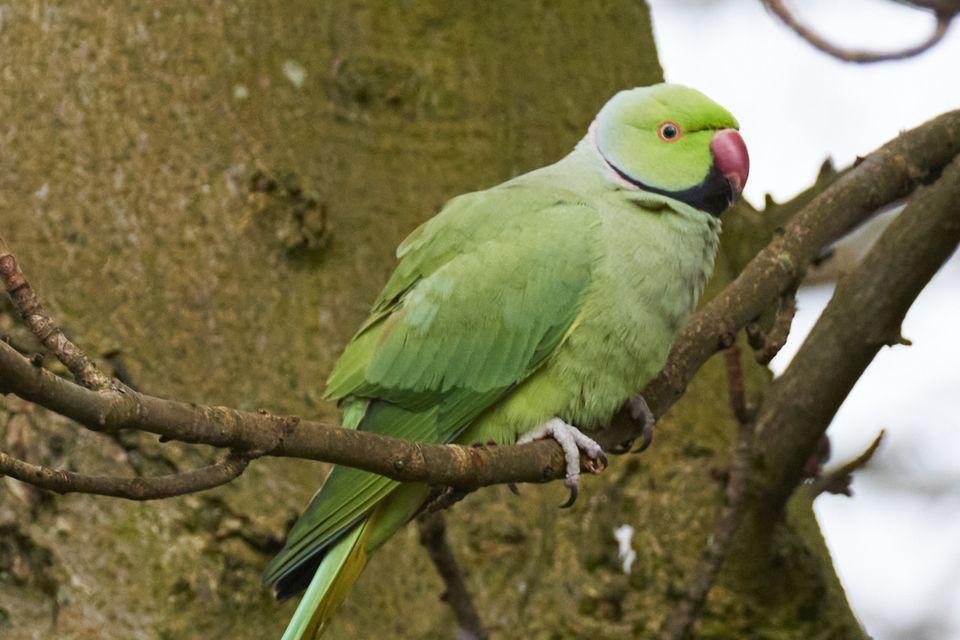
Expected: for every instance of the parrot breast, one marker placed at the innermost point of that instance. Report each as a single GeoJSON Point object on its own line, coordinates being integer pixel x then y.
{"type": "Point", "coordinates": [655, 267]}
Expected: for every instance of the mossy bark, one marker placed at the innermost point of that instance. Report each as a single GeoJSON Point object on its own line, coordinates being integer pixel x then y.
{"type": "Point", "coordinates": [208, 195]}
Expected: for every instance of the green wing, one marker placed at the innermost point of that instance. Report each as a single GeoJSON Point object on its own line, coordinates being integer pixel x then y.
{"type": "Point", "coordinates": [483, 294]}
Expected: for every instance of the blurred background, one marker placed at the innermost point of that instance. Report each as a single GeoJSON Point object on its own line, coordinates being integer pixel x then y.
{"type": "Point", "coordinates": [896, 543]}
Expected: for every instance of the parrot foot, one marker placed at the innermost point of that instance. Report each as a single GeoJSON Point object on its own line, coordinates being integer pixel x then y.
{"type": "Point", "coordinates": [639, 409]}
{"type": "Point", "coordinates": [572, 441]}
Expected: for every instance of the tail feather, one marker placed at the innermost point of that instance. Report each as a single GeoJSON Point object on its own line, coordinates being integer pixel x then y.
{"type": "Point", "coordinates": [331, 583]}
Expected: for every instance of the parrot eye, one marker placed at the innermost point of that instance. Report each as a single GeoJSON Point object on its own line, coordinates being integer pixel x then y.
{"type": "Point", "coordinates": [669, 131]}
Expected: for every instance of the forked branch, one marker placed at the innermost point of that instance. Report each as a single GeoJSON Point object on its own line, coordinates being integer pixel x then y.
{"type": "Point", "coordinates": [42, 325]}
{"type": "Point", "coordinates": [888, 174]}
{"type": "Point", "coordinates": [863, 316]}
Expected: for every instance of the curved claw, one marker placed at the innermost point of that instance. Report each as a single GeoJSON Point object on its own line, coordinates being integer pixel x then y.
{"type": "Point", "coordinates": [513, 488]}
{"type": "Point", "coordinates": [647, 439]}
{"type": "Point", "coordinates": [574, 492]}
{"type": "Point", "coordinates": [573, 442]}
{"type": "Point", "coordinates": [599, 464]}
{"type": "Point", "coordinates": [639, 410]}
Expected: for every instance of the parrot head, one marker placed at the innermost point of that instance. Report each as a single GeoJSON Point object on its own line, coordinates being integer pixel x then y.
{"type": "Point", "coordinates": [675, 141]}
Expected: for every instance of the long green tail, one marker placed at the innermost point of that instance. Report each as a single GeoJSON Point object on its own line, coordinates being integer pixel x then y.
{"type": "Point", "coordinates": [330, 585]}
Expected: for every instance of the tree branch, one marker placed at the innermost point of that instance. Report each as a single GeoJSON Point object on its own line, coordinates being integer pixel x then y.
{"type": "Point", "coordinates": [780, 10]}
{"type": "Point", "coordinates": [155, 488]}
{"type": "Point", "coordinates": [50, 335]}
{"type": "Point", "coordinates": [880, 290]}
{"type": "Point", "coordinates": [684, 615]}
{"type": "Point", "coordinates": [864, 315]}
{"type": "Point", "coordinates": [767, 344]}
{"type": "Point", "coordinates": [433, 537]}
{"type": "Point", "coordinates": [886, 175]}
{"type": "Point", "coordinates": [736, 387]}
{"type": "Point", "coordinates": [838, 480]}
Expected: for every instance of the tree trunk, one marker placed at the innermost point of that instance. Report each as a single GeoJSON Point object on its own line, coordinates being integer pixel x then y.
{"type": "Point", "coordinates": [208, 195]}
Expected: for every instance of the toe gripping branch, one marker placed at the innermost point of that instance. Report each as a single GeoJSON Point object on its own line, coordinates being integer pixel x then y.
{"type": "Point", "coordinates": [572, 441]}
{"type": "Point", "coordinates": [640, 410]}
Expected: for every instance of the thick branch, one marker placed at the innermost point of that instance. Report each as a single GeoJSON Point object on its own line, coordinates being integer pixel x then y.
{"type": "Point", "coordinates": [822, 374]}
{"type": "Point", "coordinates": [155, 488]}
{"type": "Point", "coordinates": [852, 55]}
{"type": "Point", "coordinates": [864, 315]}
{"type": "Point", "coordinates": [263, 434]}
{"type": "Point", "coordinates": [889, 174]}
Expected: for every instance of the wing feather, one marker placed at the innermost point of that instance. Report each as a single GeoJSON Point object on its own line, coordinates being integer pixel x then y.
{"type": "Point", "coordinates": [483, 294]}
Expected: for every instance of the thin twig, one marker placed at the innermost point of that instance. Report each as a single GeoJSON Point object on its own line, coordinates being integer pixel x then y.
{"type": "Point", "coordinates": [685, 614]}
{"type": "Point", "coordinates": [442, 498]}
{"type": "Point", "coordinates": [838, 480]}
{"type": "Point", "coordinates": [139, 488]}
{"type": "Point", "coordinates": [767, 344]}
{"type": "Point", "coordinates": [433, 537]}
{"type": "Point", "coordinates": [50, 335]}
{"type": "Point", "coordinates": [778, 8]}
{"type": "Point", "coordinates": [735, 384]}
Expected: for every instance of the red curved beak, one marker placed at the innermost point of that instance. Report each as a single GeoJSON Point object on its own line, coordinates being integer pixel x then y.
{"type": "Point", "coordinates": [731, 158]}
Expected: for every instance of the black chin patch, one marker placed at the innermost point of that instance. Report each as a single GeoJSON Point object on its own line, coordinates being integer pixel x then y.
{"type": "Point", "coordinates": [714, 195]}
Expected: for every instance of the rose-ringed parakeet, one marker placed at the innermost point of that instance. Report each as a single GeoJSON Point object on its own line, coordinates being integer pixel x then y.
{"type": "Point", "coordinates": [532, 309]}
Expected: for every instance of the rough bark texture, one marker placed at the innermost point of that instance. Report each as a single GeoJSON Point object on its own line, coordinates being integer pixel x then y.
{"type": "Point", "coordinates": [208, 195]}
{"type": "Point", "coordinates": [864, 316]}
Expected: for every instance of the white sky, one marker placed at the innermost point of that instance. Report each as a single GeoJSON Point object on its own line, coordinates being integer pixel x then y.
{"type": "Point", "coordinates": [795, 104]}
{"type": "Point", "coordinates": [896, 544]}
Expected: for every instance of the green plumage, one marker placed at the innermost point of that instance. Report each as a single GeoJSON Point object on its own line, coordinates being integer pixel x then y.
{"type": "Point", "coordinates": [557, 294]}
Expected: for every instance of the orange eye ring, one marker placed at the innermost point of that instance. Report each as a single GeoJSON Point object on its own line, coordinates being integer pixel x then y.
{"type": "Point", "coordinates": [669, 131]}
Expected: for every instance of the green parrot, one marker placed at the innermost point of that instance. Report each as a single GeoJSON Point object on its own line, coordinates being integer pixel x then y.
{"type": "Point", "coordinates": [532, 309]}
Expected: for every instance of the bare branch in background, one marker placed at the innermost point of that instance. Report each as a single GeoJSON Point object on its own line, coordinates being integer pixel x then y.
{"type": "Point", "coordinates": [50, 335]}
{"type": "Point", "coordinates": [767, 344]}
{"type": "Point", "coordinates": [863, 316]}
{"type": "Point", "coordinates": [139, 488]}
{"type": "Point", "coordinates": [433, 537]}
{"type": "Point", "coordinates": [944, 12]}
{"type": "Point", "coordinates": [735, 385]}
{"type": "Point", "coordinates": [838, 481]}
{"type": "Point", "coordinates": [441, 498]}
{"type": "Point", "coordinates": [684, 616]}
